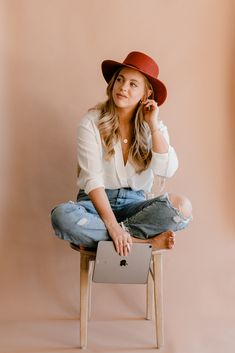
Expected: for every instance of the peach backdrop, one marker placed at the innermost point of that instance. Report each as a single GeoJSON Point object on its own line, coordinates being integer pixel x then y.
{"type": "Point", "coordinates": [50, 75]}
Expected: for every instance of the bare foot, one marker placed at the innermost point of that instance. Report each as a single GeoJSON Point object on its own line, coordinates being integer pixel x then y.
{"type": "Point", "coordinates": [165, 240]}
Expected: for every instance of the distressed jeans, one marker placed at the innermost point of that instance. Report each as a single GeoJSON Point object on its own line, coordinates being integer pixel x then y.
{"type": "Point", "coordinates": [79, 223]}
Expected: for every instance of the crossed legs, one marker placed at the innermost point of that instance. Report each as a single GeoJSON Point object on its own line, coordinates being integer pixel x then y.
{"type": "Point", "coordinates": [74, 223]}
{"type": "Point", "coordinates": [166, 240]}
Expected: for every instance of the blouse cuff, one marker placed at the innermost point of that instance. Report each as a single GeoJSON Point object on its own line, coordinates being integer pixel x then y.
{"type": "Point", "coordinates": [93, 184]}
{"type": "Point", "coordinates": [164, 164]}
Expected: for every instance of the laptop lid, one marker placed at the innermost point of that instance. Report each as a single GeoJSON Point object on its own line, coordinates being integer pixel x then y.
{"type": "Point", "coordinates": [110, 267]}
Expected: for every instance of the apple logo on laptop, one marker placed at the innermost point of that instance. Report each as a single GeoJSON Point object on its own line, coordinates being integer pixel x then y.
{"type": "Point", "coordinates": [123, 263]}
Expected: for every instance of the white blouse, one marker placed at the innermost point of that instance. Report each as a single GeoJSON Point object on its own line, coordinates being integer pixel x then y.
{"type": "Point", "coordinates": [96, 172]}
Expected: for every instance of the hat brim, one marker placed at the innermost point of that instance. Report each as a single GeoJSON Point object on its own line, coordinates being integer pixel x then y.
{"type": "Point", "coordinates": [109, 67]}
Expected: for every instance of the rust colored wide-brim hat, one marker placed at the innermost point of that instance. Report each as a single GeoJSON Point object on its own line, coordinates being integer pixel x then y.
{"type": "Point", "coordinates": [140, 62]}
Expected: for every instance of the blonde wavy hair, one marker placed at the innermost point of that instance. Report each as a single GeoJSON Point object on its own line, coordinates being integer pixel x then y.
{"type": "Point", "coordinates": [140, 154]}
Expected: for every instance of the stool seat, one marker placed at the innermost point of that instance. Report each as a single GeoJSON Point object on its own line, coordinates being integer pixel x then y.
{"type": "Point", "coordinates": [84, 250]}
{"type": "Point", "coordinates": [92, 251]}
{"type": "Point", "coordinates": [154, 294]}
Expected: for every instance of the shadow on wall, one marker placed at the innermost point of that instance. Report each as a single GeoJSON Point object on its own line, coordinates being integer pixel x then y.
{"type": "Point", "coordinates": [229, 174]}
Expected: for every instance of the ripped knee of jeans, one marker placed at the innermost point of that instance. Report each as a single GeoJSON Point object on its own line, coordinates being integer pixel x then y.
{"type": "Point", "coordinates": [182, 204]}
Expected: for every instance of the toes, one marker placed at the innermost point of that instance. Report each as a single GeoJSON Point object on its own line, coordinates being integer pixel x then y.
{"type": "Point", "coordinates": [165, 240]}
{"type": "Point", "coordinates": [171, 241]}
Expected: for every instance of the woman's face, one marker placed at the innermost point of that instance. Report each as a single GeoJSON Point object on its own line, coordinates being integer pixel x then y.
{"type": "Point", "coordinates": [128, 89]}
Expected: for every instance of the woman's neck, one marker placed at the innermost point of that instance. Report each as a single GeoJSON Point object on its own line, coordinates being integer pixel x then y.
{"type": "Point", "coordinates": [126, 125]}
{"type": "Point", "coordinates": [125, 116]}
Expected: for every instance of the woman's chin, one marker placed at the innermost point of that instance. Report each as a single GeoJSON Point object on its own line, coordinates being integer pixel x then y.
{"type": "Point", "coordinates": [122, 105]}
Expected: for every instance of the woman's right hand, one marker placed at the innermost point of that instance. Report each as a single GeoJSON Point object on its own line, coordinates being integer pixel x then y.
{"type": "Point", "coordinates": [122, 240]}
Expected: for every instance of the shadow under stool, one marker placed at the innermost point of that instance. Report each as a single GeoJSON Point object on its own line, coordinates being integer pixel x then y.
{"type": "Point", "coordinates": [154, 292]}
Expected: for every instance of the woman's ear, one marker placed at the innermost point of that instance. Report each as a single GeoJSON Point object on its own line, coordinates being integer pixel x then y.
{"type": "Point", "coordinates": [150, 93]}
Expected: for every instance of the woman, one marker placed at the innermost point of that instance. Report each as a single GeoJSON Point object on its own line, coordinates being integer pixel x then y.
{"type": "Point", "coordinates": [122, 144]}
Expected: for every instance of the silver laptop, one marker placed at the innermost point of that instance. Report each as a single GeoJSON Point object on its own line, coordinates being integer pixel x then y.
{"type": "Point", "coordinates": [110, 267]}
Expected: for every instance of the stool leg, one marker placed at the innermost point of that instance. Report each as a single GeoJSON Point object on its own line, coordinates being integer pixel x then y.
{"type": "Point", "coordinates": [149, 295]}
{"type": "Point", "coordinates": [84, 293]}
{"type": "Point", "coordinates": [158, 298]}
{"type": "Point", "coordinates": [91, 269]}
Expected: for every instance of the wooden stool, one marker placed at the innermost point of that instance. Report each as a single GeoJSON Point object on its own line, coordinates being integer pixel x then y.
{"type": "Point", "coordinates": [154, 292]}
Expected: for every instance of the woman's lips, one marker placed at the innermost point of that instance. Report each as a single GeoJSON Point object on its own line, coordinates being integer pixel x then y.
{"type": "Point", "coordinates": [120, 96]}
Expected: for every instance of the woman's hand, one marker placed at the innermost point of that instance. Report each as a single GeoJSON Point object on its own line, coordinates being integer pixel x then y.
{"type": "Point", "coordinates": [150, 111]}
{"type": "Point", "coordinates": [121, 239]}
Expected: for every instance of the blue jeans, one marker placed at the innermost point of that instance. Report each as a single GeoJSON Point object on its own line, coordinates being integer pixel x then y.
{"type": "Point", "coordinates": [79, 223]}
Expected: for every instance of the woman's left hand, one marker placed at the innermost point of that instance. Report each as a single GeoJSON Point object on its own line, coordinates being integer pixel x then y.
{"type": "Point", "coordinates": [150, 111]}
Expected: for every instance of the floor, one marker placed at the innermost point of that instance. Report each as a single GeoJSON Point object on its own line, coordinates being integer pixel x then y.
{"type": "Point", "coordinates": [133, 335]}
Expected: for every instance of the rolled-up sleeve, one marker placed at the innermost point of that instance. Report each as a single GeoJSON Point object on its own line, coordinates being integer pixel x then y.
{"type": "Point", "coordinates": [89, 155]}
{"type": "Point", "coordinates": [164, 164]}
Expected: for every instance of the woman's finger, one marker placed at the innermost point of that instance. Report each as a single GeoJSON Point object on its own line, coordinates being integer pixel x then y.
{"type": "Point", "coordinates": [150, 105]}
{"type": "Point", "coordinates": [125, 250]}
{"type": "Point", "coordinates": [117, 247]}
{"type": "Point", "coordinates": [121, 251]}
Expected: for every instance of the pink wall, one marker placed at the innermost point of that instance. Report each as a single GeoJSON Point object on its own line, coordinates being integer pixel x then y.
{"type": "Point", "coordinates": [51, 53]}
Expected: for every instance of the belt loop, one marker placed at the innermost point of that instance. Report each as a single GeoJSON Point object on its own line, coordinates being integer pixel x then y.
{"type": "Point", "coordinates": [119, 193]}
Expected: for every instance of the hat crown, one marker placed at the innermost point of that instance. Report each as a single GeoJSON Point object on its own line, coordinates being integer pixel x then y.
{"type": "Point", "coordinates": [142, 62]}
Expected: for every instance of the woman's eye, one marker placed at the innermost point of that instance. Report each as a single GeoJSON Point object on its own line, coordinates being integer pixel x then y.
{"type": "Point", "coordinates": [133, 84]}
{"type": "Point", "coordinates": [118, 79]}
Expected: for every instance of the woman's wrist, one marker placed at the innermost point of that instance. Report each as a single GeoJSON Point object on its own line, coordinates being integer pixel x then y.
{"type": "Point", "coordinates": [112, 225]}
{"type": "Point", "coordinates": [154, 128]}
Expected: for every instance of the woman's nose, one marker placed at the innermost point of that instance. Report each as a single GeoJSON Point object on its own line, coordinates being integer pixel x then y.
{"type": "Point", "coordinates": [124, 86]}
